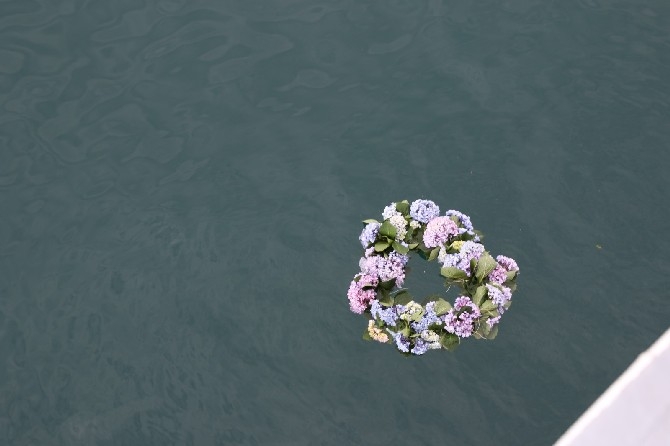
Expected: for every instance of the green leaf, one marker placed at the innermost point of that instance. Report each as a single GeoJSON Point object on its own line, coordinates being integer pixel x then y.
{"type": "Point", "coordinates": [482, 328]}
{"type": "Point", "coordinates": [366, 336]}
{"type": "Point", "coordinates": [370, 220]}
{"type": "Point", "coordinates": [400, 248]}
{"type": "Point", "coordinates": [451, 272]}
{"type": "Point", "coordinates": [479, 295]}
{"type": "Point", "coordinates": [485, 265]}
{"type": "Point", "coordinates": [405, 331]}
{"type": "Point", "coordinates": [416, 317]}
{"type": "Point", "coordinates": [388, 285]}
{"type": "Point", "coordinates": [387, 230]}
{"type": "Point", "coordinates": [442, 307]}
{"type": "Point", "coordinates": [433, 254]}
{"type": "Point", "coordinates": [449, 341]}
{"type": "Point", "coordinates": [432, 298]}
{"type": "Point", "coordinates": [488, 305]}
{"type": "Point", "coordinates": [511, 275]}
{"type": "Point", "coordinates": [413, 245]}
{"type": "Point", "coordinates": [385, 299]}
{"type": "Point", "coordinates": [402, 207]}
{"type": "Point", "coordinates": [403, 298]}
{"type": "Point", "coordinates": [491, 313]}
{"type": "Point", "coordinates": [493, 332]}
{"type": "Point", "coordinates": [381, 246]}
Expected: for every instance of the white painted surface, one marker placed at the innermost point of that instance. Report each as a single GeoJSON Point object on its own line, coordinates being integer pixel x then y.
{"type": "Point", "coordinates": [635, 410]}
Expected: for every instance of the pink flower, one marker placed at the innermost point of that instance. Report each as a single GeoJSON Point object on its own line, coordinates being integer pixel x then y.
{"type": "Point", "coordinates": [438, 231]}
{"type": "Point", "coordinates": [359, 299]}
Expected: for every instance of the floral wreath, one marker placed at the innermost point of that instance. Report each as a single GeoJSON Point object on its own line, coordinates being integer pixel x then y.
{"type": "Point", "coordinates": [486, 283]}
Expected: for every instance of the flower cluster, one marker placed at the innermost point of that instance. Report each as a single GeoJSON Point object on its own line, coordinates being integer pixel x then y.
{"type": "Point", "coordinates": [462, 258]}
{"type": "Point", "coordinates": [361, 292]}
{"type": "Point", "coordinates": [387, 268]}
{"type": "Point", "coordinates": [424, 211]}
{"type": "Point", "coordinates": [369, 233]}
{"type": "Point", "coordinates": [486, 283]}
{"type": "Point", "coordinates": [438, 231]}
{"type": "Point", "coordinates": [462, 318]}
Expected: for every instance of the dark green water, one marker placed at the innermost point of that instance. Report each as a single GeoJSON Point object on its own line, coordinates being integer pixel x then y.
{"type": "Point", "coordinates": [181, 186]}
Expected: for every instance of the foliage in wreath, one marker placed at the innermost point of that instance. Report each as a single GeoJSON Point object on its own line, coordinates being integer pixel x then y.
{"type": "Point", "coordinates": [486, 284]}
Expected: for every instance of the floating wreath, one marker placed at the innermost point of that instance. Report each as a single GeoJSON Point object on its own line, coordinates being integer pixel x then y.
{"type": "Point", "coordinates": [486, 284]}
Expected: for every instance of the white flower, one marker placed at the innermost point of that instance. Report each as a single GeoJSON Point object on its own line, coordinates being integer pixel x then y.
{"type": "Point", "coordinates": [400, 224]}
{"type": "Point", "coordinates": [390, 211]}
{"type": "Point", "coordinates": [411, 309]}
{"type": "Point", "coordinates": [430, 336]}
{"type": "Point", "coordinates": [442, 255]}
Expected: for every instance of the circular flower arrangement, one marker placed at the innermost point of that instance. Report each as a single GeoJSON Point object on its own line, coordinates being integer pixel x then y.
{"type": "Point", "coordinates": [485, 283]}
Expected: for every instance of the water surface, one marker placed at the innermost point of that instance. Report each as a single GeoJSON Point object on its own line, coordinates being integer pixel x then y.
{"type": "Point", "coordinates": [182, 184]}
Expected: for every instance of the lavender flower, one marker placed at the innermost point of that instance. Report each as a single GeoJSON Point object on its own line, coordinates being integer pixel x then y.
{"type": "Point", "coordinates": [459, 321]}
{"type": "Point", "coordinates": [464, 301]}
{"type": "Point", "coordinates": [508, 263]}
{"type": "Point", "coordinates": [369, 234]}
{"type": "Point", "coordinates": [499, 294]}
{"type": "Point", "coordinates": [438, 231]}
{"type": "Point", "coordinates": [493, 321]}
{"type": "Point", "coordinates": [386, 268]}
{"type": "Point", "coordinates": [424, 210]}
{"type": "Point", "coordinates": [498, 275]}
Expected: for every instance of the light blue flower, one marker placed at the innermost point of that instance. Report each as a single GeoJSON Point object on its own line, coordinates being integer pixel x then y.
{"type": "Point", "coordinates": [369, 234]}
{"type": "Point", "coordinates": [401, 342]}
{"type": "Point", "coordinates": [388, 315]}
{"type": "Point", "coordinates": [423, 210]}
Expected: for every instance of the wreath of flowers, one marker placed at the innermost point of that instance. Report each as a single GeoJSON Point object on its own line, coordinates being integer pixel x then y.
{"type": "Point", "coordinates": [486, 284]}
